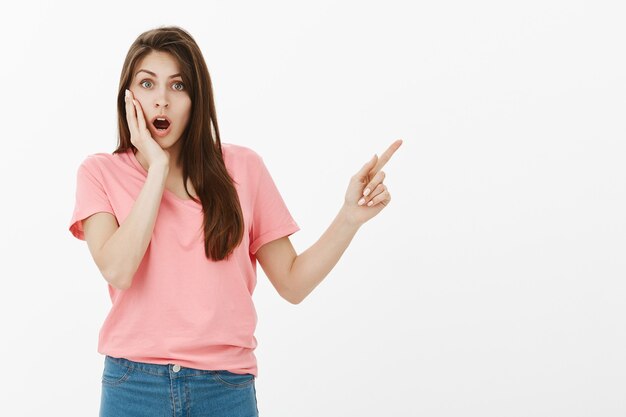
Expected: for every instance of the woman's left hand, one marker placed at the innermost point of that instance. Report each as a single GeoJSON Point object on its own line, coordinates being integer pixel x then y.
{"type": "Point", "coordinates": [358, 207]}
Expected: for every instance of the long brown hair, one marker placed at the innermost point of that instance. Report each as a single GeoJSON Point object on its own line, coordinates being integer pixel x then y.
{"type": "Point", "coordinates": [201, 153]}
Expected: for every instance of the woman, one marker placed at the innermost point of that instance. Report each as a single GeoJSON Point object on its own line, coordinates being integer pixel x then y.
{"type": "Point", "coordinates": [175, 221]}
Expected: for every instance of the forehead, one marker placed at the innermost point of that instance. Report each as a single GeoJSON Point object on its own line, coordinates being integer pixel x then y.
{"type": "Point", "coordinates": [162, 63]}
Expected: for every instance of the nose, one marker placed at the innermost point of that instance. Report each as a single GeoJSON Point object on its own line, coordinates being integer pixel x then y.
{"type": "Point", "coordinates": [161, 100]}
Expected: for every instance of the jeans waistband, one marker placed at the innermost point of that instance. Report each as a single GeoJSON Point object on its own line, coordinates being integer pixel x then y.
{"type": "Point", "coordinates": [171, 369]}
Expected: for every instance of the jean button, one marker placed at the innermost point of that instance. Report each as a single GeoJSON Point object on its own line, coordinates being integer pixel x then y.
{"type": "Point", "coordinates": [176, 368]}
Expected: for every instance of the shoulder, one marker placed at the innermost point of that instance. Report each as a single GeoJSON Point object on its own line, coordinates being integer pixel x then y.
{"type": "Point", "coordinates": [240, 155]}
{"type": "Point", "coordinates": [238, 150]}
{"type": "Point", "coordinates": [99, 163]}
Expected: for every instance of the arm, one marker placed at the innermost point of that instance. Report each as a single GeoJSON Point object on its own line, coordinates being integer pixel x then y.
{"type": "Point", "coordinates": [119, 251]}
{"type": "Point", "coordinates": [296, 276]}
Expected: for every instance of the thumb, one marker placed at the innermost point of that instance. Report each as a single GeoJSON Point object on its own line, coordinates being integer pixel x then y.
{"type": "Point", "coordinates": [365, 170]}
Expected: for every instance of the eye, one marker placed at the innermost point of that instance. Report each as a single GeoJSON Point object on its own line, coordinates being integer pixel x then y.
{"type": "Point", "coordinates": [177, 89]}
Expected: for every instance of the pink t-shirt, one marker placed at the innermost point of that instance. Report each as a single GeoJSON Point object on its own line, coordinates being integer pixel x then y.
{"type": "Point", "coordinates": [181, 307]}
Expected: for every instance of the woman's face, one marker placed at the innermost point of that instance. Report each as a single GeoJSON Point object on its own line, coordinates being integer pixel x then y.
{"type": "Point", "coordinates": [158, 86]}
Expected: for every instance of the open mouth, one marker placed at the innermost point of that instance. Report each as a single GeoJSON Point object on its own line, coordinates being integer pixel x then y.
{"type": "Point", "coordinates": [161, 123]}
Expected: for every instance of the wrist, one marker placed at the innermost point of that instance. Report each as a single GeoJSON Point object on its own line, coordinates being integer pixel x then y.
{"type": "Point", "coordinates": [344, 216]}
{"type": "Point", "coordinates": [159, 168]}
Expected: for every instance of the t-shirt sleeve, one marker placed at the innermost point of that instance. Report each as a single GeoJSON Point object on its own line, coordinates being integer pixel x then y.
{"type": "Point", "coordinates": [91, 197]}
{"type": "Point", "coordinates": [271, 219]}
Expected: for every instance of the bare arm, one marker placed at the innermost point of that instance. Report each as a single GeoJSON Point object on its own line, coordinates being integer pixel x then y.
{"type": "Point", "coordinates": [118, 251]}
{"type": "Point", "coordinates": [296, 276]}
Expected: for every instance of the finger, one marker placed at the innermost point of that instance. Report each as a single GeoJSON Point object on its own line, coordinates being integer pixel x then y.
{"type": "Point", "coordinates": [363, 172]}
{"type": "Point", "coordinates": [130, 115]}
{"type": "Point", "coordinates": [379, 189]}
{"type": "Point", "coordinates": [383, 198]}
{"type": "Point", "coordinates": [386, 156]}
{"type": "Point", "coordinates": [140, 117]}
{"type": "Point", "coordinates": [378, 178]}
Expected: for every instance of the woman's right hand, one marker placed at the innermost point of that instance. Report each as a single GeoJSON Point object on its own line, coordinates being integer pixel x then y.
{"type": "Point", "coordinates": [140, 135]}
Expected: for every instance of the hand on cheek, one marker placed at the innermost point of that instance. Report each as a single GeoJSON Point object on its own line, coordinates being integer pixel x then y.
{"type": "Point", "coordinates": [139, 100]}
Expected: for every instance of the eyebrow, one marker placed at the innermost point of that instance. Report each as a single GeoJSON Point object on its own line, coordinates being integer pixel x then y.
{"type": "Point", "coordinates": [154, 75]}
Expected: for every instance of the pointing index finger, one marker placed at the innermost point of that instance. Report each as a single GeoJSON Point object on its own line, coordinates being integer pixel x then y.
{"type": "Point", "coordinates": [386, 156]}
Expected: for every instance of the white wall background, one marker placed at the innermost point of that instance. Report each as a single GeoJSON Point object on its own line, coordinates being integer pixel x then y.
{"type": "Point", "coordinates": [492, 285]}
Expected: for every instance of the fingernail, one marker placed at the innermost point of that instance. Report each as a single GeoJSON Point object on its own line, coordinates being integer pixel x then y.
{"type": "Point", "coordinates": [361, 201]}
{"type": "Point", "coordinates": [366, 192]}
{"type": "Point", "coordinates": [127, 93]}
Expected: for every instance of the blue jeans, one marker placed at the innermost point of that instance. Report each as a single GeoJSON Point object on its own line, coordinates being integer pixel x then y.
{"type": "Point", "coordinates": [143, 389]}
